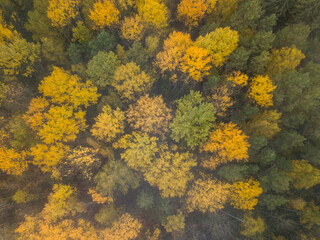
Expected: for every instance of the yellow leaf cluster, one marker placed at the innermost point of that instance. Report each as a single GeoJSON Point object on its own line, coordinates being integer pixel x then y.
{"type": "Point", "coordinates": [284, 59]}
{"type": "Point", "coordinates": [60, 12]}
{"type": "Point", "coordinates": [175, 222]}
{"type": "Point", "coordinates": [12, 162]}
{"type": "Point", "coordinates": [238, 78]}
{"type": "Point", "coordinates": [192, 11]}
{"type": "Point", "coordinates": [63, 88]}
{"type": "Point", "coordinates": [220, 44]}
{"type": "Point", "coordinates": [228, 143]}
{"type": "Point", "coordinates": [150, 115]}
{"type": "Point", "coordinates": [196, 62]}
{"type": "Point", "coordinates": [243, 195]}
{"type": "Point", "coordinates": [104, 14]}
{"type": "Point", "coordinates": [98, 197]}
{"type": "Point", "coordinates": [131, 82]}
{"type": "Point", "coordinates": [252, 227]}
{"type": "Point", "coordinates": [34, 117]}
{"type": "Point", "coordinates": [261, 91]}
{"type": "Point", "coordinates": [7, 33]}
{"type": "Point", "coordinates": [171, 173]}
{"type": "Point", "coordinates": [125, 228]}
{"type": "Point", "coordinates": [154, 13]}
{"type": "Point", "coordinates": [132, 28]}
{"type": "Point", "coordinates": [221, 100]}
{"type": "Point", "coordinates": [47, 157]}
{"type": "Point", "coordinates": [207, 195]}
{"type": "Point", "coordinates": [109, 124]}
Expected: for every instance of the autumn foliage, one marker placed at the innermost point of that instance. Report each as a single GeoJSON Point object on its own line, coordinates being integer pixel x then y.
{"type": "Point", "coordinates": [104, 14]}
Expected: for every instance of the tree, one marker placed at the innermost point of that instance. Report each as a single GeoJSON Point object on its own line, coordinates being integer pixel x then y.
{"type": "Point", "coordinates": [34, 117]}
{"type": "Point", "coordinates": [303, 174]}
{"type": "Point", "coordinates": [116, 176]}
{"type": "Point", "coordinates": [18, 57]}
{"type": "Point", "coordinates": [275, 179]}
{"type": "Point", "coordinates": [61, 12]}
{"type": "Point", "coordinates": [145, 200]}
{"type": "Point", "coordinates": [125, 228]}
{"type": "Point", "coordinates": [311, 215]}
{"type": "Point", "coordinates": [238, 78]}
{"type": "Point", "coordinates": [104, 14]}
{"type": "Point", "coordinates": [170, 172]}
{"type": "Point", "coordinates": [196, 63]}
{"type": "Point", "coordinates": [140, 150]}
{"type": "Point", "coordinates": [264, 124]}
{"type": "Point", "coordinates": [150, 115]}
{"type": "Point", "coordinates": [107, 214]}
{"type": "Point", "coordinates": [228, 143]}
{"type": "Point", "coordinates": [131, 82]}
{"type": "Point", "coordinates": [175, 222]}
{"type": "Point", "coordinates": [207, 195]}
{"type": "Point", "coordinates": [243, 195]}
{"type": "Point", "coordinates": [193, 120]}
{"type": "Point", "coordinates": [53, 50]}
{"type": "Point", "coordinates": [220, 44]}
{"type": "Point", "coordinates": [109, 124]}
{"type": "Point", "coordinates": [261, 90]}
{"type": "Point", "coordinates": [81, 162]}
{"type": "Point", "coordinates": [191, 11]}
{"type": "Point", "coordinates": [154, 13]}
{"type": "Point", "coordinates": [12, 162]}
{"type": "Point", "coordinates": [132, 28]}
{"type": "Point", "coordinates": [37, 228]}
{"type": "Point", "coordinates": [62, 124]}
{"type": "Point", "coordinates": [104, 41]}
{"type": "Point", "coordinates": [221, 99]}
{"type": "Point", "coordinates": [284, 60]}
{"type": "Point", "coordinates": [233, 172]}
{"type": "Point", "coordinates": [65, 89]}
{"type": "Point", "coordinates": [81, 33]}
{"type": "Point", "coordinates": [252, 227]}
{"type": "Point", "coordinates": [224, 9]}
{"type": "Point", "coordinates": [62, 202]}
{"type": "Point", "coordinates": [102, 67]}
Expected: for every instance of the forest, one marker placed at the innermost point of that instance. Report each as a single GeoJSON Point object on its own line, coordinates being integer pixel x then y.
{"type": "Point", "coordinates": [160, 119]}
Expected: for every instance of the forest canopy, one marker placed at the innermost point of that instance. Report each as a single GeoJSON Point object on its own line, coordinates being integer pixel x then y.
{"type": "Point", "coordinates": [159, 119]}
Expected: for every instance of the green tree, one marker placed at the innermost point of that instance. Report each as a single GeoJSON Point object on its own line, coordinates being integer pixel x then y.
{"type": "Point", "coordinates": [102, 67]}
{"type": "Point", "coordinates": [104, 41]}
{"type": "Point", "coordinates": [193, 121]}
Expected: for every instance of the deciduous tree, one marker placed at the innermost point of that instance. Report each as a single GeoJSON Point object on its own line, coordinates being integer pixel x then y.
{"type": "Point", "coordinates": [175, 222]}
{"type": "Point", "coordinates": [261, 90]}
{"type": "Point", "coordinates": [207, 195]}
{"type": "Point", "coordinates": [12, 162]}
{"type": "Point", "coordinates": [193, 120]}
{"type": "Point", "coordinates": [104, 14]}
{"type": "Point", "coordinates": [220, 44]}
{"type": "Point", "coordinates": [150, 115]}
{"type": "Point", "coordinates": [109, 124]}
{"type": "Point", "coordinates": [243, 195]}
{"type": "Point", "coordinates": [252, 227]}
{"type": "Point", "coordinates": [132, 28]}
{"type": "Point", "coordinates": [61, 12]}
{"type": "Point", "coordinates": [154, 13]}
{"type": "Point", "coordinates": [228, 143]}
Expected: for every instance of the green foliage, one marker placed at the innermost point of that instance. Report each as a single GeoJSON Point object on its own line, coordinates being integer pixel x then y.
{"type": "Point", "coordinates": [272, 201]}
{"type": "Point", "coordinates": [76, 52]}
{"type": "Point", "coordinates": [274, 179]}
{"type": "Point", "coordinates": [145, 199]}
{"type": "Point", "coordinates": [22, 137]}
{"type": "Point", "coordinates": [116, 177]}
{"type": "Point", "coordinates": [107, 215]}
{"type": "Point", "coordinates": [102, 67]}
{"type": "Point", "coordinates": [233, 172]}
{"type": "Point", "coordinates": [138, 54]}
{"type": "Point", "coordinates": [104, 41]}
{"type": "Point", "coordinates": [193, 121]}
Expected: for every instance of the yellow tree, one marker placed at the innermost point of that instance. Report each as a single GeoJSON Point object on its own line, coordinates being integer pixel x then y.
{"type": "Point", "coordinates": [220, 44]}
{"type": "Point", "coordinates": [261, 91]}
{"type": "Point", "coordinates": [175, 222]}
{"type": "Point", "coordinates": [228, 143]}
{"type": "Point", "coordinates": [61, 12]}
{"type": "Point", "coordinates": [243, 195]}
{"type": "Point", "coordinates": [104, 14]}
{"type": "Point", "coordinates": [192, 11]}
{"type": "Point", "coordinates": [238, 78]}
{"type": "Point", "coordinates": [171, 172]}
{"type": "Point", "coordinates": [303, 174]}
{"type": "Point", "coordinates": [125, 228]}
{"type": "Point", "coordinates": [12, 162]}
{"type": "Point", "coordinates": [62, 124]}
{"type": "Point", "coordinates": [131, 82]}
{"type": "Point", "coordinates": [153, 13]}
{"type": "Point", "coordinates": [34, 117]}
{"type": "Point", "coordinates": [63, 88]}
{"type": "Point", "coordinates": [221, 99]}
{"type": "Point", "coordinates": [196, 63]}
{"type": "Point", "coordinates": [109, 124]}
{"type": "Point", "coordinates": [284, 59]}
{"type": "Point", "coordinates": [174, 50]}
{"type": "Point", "coordinates": [252, 227]}
{"type": "Point", "coordinates": [7, 32]}
{"type": "Point", "coordinates": [150, 115]}
{"type": "Point", "coordinates": [132, 28]}
{"type": "Point", "coordinates": [207, 195]}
